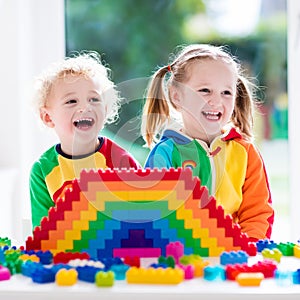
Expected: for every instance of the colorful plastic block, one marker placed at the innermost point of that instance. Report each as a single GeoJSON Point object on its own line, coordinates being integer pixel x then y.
{"type": "Point", "coordinates": [214, 273]}
{"type": "Point", "coordinates": [65, 257]}
{"type": "Point", "coordinates": [287, 249]}
{"type": "Point", "coordinates": [249, 279]}
{"type": "Point", "coordinates": [266, 267]}
{"type": "Point", "coordinates": [4, 273]}
{"type": "Point", "coordinates": [5, 242]}
{"type": "Point", "coordinates": [297, 251]}
{"type": "Point", "coordinates": [263, 244]}
{"type": "Point", "coordinates": [189, 271]}
{"type": "Point", "coordinates": [119, 271]}
{"type": "Point", "coordinates": [105, 279]}
{"type": "Point", "coordinates": [233, 257]}
{"type": "Point", "coordinates": [87, 273]}
{"type": "Point", "coordinates": [199, 267]}
{"type": "Point", "coordinates": [283, 277]}
{"type": "Point", "coordinates": [134, 261]}
{"type": "Point", "coordinates": [43, 275]}
{"type": "Point", "coordinates": [155, 276]}
{"type": "Point", "coordinates": [274, 254]}
{"type": "Point", "coordinates": [296, 277]}
{"type": "Point", "coordinates": [29, 267]}
{"type": "Point", "coordinates": [175, 249]}
{"type": "Point", "coordinates": [168, 261]}
{"type": "Point", "coordinates": [66, 277]}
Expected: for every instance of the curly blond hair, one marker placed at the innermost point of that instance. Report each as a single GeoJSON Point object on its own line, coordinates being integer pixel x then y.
{"type": "Point", "coordinates": [84, 63]}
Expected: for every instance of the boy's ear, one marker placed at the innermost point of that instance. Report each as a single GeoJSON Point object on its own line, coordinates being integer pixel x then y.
{"type": "Point", "coordinates": [45, 117]}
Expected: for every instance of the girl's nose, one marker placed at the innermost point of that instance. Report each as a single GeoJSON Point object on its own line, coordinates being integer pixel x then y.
{"type": "Point", "coordinates": [214, 100]}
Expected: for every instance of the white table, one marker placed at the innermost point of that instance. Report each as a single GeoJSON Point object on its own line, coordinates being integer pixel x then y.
{"type": "Point", "coordinates": [21, 287]}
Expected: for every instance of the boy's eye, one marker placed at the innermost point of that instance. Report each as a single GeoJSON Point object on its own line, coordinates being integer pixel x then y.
{"type": "Point", "coordinates": [95, 100]}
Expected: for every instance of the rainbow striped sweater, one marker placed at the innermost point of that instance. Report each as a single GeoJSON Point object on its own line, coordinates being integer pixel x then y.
{"type": "Point", "coordinates": [231, 168]}
{"type": "Point", "coordinates": [53, 173]}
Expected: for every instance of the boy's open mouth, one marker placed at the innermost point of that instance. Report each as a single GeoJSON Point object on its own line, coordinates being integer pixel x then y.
{"type": "Point", "coordinates": [84, 123]}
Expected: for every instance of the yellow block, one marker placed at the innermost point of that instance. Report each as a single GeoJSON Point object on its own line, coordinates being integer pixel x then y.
{"type": "Point", "coordinates": [249, 279]}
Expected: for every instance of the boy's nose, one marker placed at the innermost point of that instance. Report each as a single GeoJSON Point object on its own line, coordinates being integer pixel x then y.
{"type": "Point", "coordinates": [84, 107]}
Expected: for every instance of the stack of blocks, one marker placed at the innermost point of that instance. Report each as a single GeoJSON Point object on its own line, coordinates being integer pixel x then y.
{"type": "Point", "coordinates": [121, 213]}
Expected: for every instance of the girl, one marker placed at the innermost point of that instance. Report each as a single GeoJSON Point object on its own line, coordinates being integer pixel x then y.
{"type": "Point", "coordinates": [199, 110]}
{"type": "Point", "coordinates": [76, 98]}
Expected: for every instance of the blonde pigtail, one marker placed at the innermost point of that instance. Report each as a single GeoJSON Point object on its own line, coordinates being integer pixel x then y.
{"type": "Point", "coordinates": [156, 110]}
{"type": "Point", "coordinates": [244, 109]}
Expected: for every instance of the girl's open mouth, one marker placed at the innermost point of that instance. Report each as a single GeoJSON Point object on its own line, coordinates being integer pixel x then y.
{"type": "Point", "coordinates": [210, 115]}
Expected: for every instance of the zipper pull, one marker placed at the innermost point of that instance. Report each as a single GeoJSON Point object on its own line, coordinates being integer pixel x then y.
{"type": "Point", "coordinates": [215, 152]}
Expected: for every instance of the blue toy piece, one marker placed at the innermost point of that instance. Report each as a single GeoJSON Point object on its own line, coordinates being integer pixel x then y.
{"type": "Point", "coordinates": [233, 257]}
{"type": "Point", "coordinates": [87, 273]}
{"type": "Point", "coordinates": [43, 275]}
{"type": "Point", "coordinates": [119, 271]}
{"type": "Point", "coordinates": [262, 244]}
{"type": "Point", "coordinates": [214, 273]}
{"type": "Point", "coordinates": [296, 277]}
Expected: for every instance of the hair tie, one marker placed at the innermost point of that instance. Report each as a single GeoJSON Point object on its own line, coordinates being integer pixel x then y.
{"type": "Point", "coordinates": [169, 68]}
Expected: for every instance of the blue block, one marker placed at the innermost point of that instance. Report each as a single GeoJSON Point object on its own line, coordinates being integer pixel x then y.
{"type": "Point", "coordinates": [87, 273]}
{"type": "Point", "coordinates": [43, 275]}
{"type": "Point", "coordinates": [233, 257]}
{"type": "Point", "coordinates": [214, 273]}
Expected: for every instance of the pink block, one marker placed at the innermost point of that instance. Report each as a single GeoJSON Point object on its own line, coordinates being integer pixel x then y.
{"type": "Point", "coordinates": [140, 252]}
{"type": "Point", "coordinates": [175, 249]}
{"type": "Point", "coordinates": [4, 273]}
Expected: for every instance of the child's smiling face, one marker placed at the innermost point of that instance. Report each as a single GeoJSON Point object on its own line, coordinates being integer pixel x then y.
{"type": "Point", "coordinates": [206, 100]}
{"type": "Point", "coordinates": [76, 111]}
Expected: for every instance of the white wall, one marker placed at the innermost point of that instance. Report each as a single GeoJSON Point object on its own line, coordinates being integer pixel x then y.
{"type": "Point", "coordinates": [32, 36]}
{"type": "Point", "coordinates": [294, 109]}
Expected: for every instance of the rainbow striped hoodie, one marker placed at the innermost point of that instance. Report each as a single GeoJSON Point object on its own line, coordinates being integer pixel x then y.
{"type": "Point", "coordinates": [231, 168]}
{"type": "Point", "coordinates": [53, 173]}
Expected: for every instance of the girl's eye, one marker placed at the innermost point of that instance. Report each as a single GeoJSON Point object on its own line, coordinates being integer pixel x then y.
{"type": "Point", "coordinates": [227, 93]}
{"type": "Point", "coordinates": [204, 90]}
{"type": "Point", "coordinates": [72, 101]}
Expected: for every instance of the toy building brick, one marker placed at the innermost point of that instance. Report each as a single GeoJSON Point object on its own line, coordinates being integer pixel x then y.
{"type": "Point", "coordinates": [121, 213]}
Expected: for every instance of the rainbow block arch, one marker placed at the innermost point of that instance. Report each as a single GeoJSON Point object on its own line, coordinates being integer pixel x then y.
{"type": "Point", "coordinates": [119, 213]}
